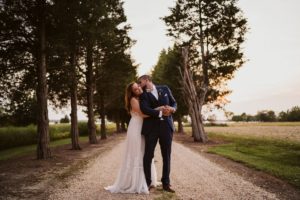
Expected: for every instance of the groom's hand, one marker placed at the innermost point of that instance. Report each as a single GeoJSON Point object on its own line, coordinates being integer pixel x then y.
{"type": "Point", "coordinates": [172, 110]}
{"type": "Point", "coordinates": [167, 111]}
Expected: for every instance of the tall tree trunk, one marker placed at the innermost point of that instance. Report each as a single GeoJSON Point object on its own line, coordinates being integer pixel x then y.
{"type": "Point", "coordinates": [73, 91]}
{"type": "Point", "coordinates": [197, 123]}
{"type": "Point", "coordinates": [204, 64]}
{"type": "Point", "coordinates": [123, 127]}
{"type": "Point", "coordinates": [102, 114]}
{"type": "Point", "coordinates": [180, 125]}
{"type": "Point", "coordinates": [118, 123]}
{"type": "Point", "coordinates": [43, 150]}
{"type": "Point", "coordinates": [204, 85]}
{"type": "Point", "coordinates": [90, 95]}
{"type": "Point", "coordinates": [118, 126]}
{"type": "Point", "coordinates": [194, 103]}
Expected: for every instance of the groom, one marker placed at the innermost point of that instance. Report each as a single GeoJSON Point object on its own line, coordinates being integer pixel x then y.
{"type": "Point", "coordinates": [159, 126]}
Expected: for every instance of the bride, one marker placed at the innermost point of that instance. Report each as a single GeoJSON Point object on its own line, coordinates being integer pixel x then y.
{"type": "Point", "coordinates": [131, 177]}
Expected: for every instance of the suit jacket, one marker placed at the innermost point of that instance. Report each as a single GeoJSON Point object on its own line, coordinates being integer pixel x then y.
{"type": "Point", "coordinates": [148, 103]}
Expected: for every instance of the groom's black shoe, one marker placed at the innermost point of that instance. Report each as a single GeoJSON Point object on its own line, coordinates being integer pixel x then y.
{"type": "Point", "coordinates": [167, 188]}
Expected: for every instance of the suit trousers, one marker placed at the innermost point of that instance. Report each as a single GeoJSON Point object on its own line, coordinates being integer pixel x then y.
{"type": "Point", "coordinates": [164, 134]}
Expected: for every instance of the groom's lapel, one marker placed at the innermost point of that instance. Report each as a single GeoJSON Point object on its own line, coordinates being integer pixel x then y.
{"type": "Point", "coordinates": [152, 97]}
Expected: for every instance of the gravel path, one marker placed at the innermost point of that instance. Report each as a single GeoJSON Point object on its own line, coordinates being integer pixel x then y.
{"type": "Point", "coordinates": [192, 176]}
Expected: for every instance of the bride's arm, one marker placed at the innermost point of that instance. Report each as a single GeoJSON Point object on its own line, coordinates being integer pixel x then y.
{"type": "Point", "coordinates": [135, 106]}
{"type": "Point", "coordinates": [159, 108]}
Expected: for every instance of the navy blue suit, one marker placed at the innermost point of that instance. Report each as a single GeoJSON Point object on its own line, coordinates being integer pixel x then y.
{"type": "Point", "coordinates": [155, 129]}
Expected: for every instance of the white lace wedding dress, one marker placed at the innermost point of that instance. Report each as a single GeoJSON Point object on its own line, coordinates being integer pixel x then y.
{"type": "Point", "coordinates": [131, 177]}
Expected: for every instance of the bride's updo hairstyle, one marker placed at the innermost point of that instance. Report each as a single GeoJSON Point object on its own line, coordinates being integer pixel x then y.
{"type": "Point", "coordinates": [128, 95]}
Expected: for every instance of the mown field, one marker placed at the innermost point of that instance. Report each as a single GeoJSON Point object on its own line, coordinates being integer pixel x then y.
{"type": "Point", "coordinates": [270, 147]}
{"type": "Point", "coordinates": [277, 130]}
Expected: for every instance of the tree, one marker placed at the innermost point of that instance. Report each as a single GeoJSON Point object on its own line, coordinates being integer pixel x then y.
{"type": "Point", "coordinates": [237, 118]}
{"type": "Point", "coordinates": [124, 71]}
{"type": "Point", "coordinates": [63, 60]}
{"type": "Point", "coordinates": [93, 13]}
{"type": "Point", "coordinates": [243, 118]}
{"type": "Point", "coordinates": [266, 116]}
{"type": "Point", "coordinates": [283, 116]}
{"type": "Point", "coordinates": [111, 91]}
{"type": "Point", "coordinates": [294, 114]}
{"type": "Point", "coordinates": [114, 68]}
{"type": "Point", "coordinates": [212, 31]}
{"type": "Point", "coordinates": [167, 72]}
{"type": "Point", "coordinates": [194, 103]}
{"type": "Point", "coordinates": [66, 119]}
{"type": "Point", "coordinates": [43, 149]}
{"type": "Point", "coordinates": [18, 42]}
{"type": "Point", "coordinates": [23, 59]}
{"type": "Point", "coordinates": [23, 113]}
{"type": "Point", "coordinates": [290, 115]}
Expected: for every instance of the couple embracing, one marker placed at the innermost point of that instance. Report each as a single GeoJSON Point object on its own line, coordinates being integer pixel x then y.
{"type": "Point", "coordinates": [151, 107]}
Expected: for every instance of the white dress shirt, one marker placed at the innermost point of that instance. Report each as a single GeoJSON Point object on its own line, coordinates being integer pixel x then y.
{"type": "Point", "coordinates": [155, 94]}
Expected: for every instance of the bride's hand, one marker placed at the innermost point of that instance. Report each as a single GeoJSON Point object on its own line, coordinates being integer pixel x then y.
{"type": "Point", "coordinates": [160, 108]}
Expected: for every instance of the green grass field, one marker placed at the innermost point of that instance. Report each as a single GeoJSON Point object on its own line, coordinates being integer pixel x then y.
{"type": "Point", "coordinates": [270, 147]}
{"type": "Point", "coordinates": [277, 157]}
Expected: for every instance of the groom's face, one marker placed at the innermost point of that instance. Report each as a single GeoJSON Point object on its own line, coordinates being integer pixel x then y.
{"type": "Point", "coordinates": [143, 83]}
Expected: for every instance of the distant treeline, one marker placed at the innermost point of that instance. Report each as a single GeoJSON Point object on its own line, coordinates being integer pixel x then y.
{"type": "Point", "coordinates": [291, 115]}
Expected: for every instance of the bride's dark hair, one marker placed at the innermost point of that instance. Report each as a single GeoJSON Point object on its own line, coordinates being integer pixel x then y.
{"type": "Point", "coordinates": [128, 95]}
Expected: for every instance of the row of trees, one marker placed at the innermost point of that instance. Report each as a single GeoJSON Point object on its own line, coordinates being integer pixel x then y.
{"type": "Point", "coordinates": [66, 53]}
{"type": "Point", "coordinates": [290, 115]}
{"type": "Point", "coordinates": [74, 52]}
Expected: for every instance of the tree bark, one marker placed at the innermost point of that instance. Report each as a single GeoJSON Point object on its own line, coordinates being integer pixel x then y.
{"type": "Point", "coordinates": [73, 91]}
{"type": "Point", "coordinates": [123, 127]}
{"type": "Point", "coordinates": [180, 125]}
{"type": "Point", "coordinates": [118, 126]}
{"type": "Point", "coordinates": [118, 123]}
{"type": "Point", "coordinates": [194, 103]}
{"type": "Point", "coordinates": [43, 150]}
{"type": "Point", "coordinates": [102, 114]}
{"type": "Point", "coordinates": [103, 129]}
{"type": "Point", "coordinates": [90, 95]}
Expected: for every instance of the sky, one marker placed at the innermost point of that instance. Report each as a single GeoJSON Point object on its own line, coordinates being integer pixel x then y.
{"type": "Point", "coordinates": [271, 77]}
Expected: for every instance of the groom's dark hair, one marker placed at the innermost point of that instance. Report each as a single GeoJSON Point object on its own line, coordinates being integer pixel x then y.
{"type": "Point", "coordinates": [145, 77]}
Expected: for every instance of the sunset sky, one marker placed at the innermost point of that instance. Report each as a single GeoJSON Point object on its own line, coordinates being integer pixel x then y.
{"type": "Point", "coordinates": [271, 77]}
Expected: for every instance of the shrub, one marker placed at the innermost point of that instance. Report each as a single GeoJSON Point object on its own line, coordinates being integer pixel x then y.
{"type": "Point", "coordinates": [17, 136]}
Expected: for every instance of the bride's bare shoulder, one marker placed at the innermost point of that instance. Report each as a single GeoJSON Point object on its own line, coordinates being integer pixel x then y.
{"type": "Point", "coordinates": [134, 100]}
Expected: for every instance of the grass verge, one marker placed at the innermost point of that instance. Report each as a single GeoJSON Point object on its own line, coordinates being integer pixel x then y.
{"type": "Point", "coordinates": [24, 150]}
{"type": "Point", "coordinates": [12, 136]}
{"type": "Point", "coordinates": [277, 157]}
